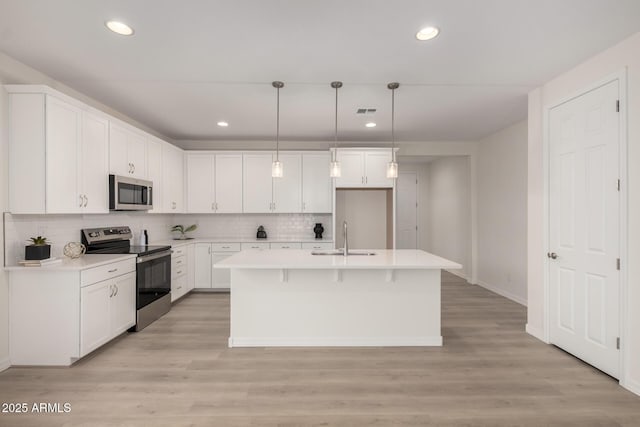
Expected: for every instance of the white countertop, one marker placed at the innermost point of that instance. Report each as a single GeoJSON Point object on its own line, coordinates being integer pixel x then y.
{"type": "Point", "coordinates": [78, 264]}
{"type": "Point", "coordinates": [176, 243]}
{"type": "Point", "coordinates": [296, 259]}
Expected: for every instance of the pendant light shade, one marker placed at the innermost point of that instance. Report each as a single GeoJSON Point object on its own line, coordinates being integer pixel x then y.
{"type": "Point", "coordinates": [334, 170]}
{"type": "Point", "coordinates": [277, 170]}
{"type": "Point", "coordinates": [392, 166]}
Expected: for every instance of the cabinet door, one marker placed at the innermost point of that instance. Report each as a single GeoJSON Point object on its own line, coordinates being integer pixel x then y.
{"type": "Point", "coordinates": [376, 169]}
{"type": "Point", "coordinates": [119, 163]}
{"type": "Point", "coordinates": [202, 265]}
{"type": "Point", "coordinates": [63, 143]}
{"type": "Point", "coordinates": [316, 183]}
{"type": "Point", "coordinates": [352, 169]}
{"type": "Point", "coordinates": [123, 303]}
{"type": "Point", "coordinates": [287, 191]}
{"type": "Point", "coordinates": [200, 180]}
{"type": "Point", "coordinates": [221, 278]}
{"type": "Point", "coordinates": [154, 173]}
{"type": "Point", "coordinates": [94, 163]}
{"type": "Point", "coordinates": [228, 183]}
{"type": "Point", "coordinates": [95, 320]}
{"type": "Point", "coordinates": [257, 191]}
{"type": "Point", "coordinates": [173, 179]}
{"type": "Point", "coordinates": [137, 153]}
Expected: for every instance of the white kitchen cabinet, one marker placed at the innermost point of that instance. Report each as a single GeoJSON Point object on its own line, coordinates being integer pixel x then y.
{"type": "Point", "coordinates": [214, 183]}
{"type": "Point", "coordinates": [220, 279]}
{"type": "Point", "coordinates": [191, 266]}
{"type": "Point", "coordinates": [154, 172]}
{"type": "Point", "coordinates": [77, 310]}
{"type": "Point", "coordinates": [202, 265]}
{"type": "Point", "coordinates": [317, 245]}
{"type": "Point", "coordinates": [264, 194]}
{"type": "Point", "coordinates": [182, 273]}
{"type": "Point", "coordinates": [172, 179]}
{"type": "Point", "coordinates": [257, 195]}
{"type": "Point", "coordinates": [364, 168]}
{"type": "Point", "coordinates": [286, 245]}
{"type": "Point", "coordinates": [52, 139]}
{"type": "Point", "coordinates": [228, 183]}
{"type": "Point", "coordinates": [107, 309]}
{"type": "Point", "coordinates": [254, 245]}
{"type": "Point", "coordinates": [316, 183]}
{"type": "Point", "coordinates": [127, 151]}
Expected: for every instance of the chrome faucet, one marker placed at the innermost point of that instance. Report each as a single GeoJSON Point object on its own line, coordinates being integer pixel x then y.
{"type": "Point", "coordinates": [346, 240]}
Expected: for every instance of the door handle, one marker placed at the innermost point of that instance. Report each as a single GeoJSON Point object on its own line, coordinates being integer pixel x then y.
{"type": "Point", "coordinates": [552, 255]}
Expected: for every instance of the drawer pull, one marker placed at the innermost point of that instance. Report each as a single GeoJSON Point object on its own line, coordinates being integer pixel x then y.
{"type": "Point", "coordinates": [112, 271]}
{"type": "Point", "coordinates": [179, 287]}
{"type": "Point", "coordinates": [179, 272]}
{"type": "Point", "coordinates": [225, 247]}
{"type": "Point", "coordinates": [179, 262]}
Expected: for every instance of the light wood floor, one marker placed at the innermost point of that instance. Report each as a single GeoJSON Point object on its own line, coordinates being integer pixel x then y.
{"type": "Point", "coordinates": [179, 371]}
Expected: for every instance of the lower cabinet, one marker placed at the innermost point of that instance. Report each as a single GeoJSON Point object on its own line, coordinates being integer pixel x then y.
{"type": "Point", "coordinates": [208, 254]}
{"type": "Point", "coordinates": [182, 274]}
{"type": "Point", "coordinates": [107, 309]}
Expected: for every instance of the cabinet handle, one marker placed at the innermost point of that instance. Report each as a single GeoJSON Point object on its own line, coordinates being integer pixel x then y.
{"type": "Point", "coordinates": [179, 287]}
{"type": "Point", "coordinates": [213, 206]}
{"type": "Point", "coordinates": [173, 205]}
{"type": "Point", "coordinates": [112, 271]}
{"type": "Point", "coordinates": [362, 179]}
{"type": "Point", "coordinates": [216, 206]}
{"type": "Point", "coordinates": [209, 249]}
{"type": "Point", "coordinates": [116, 286]}
{"type": "Point", "coordinates": [80, 205]}
{"type": "Point", "coordinates": [179, 273]}
{"type": "Point", "coordinates": [178, 262]}
{"type": "Point", "coordinates": [111, 291]}
{"type": "Point", "coordinates": [366, 179]}
{"type": "Point", "coordinates": [304, 206]}
{"type": "Point", "coordinates": [86, 200]}
{"type": "Point", "coordinates": [130, 167]}
{"type": "Point", "coordinates": [134, 171]}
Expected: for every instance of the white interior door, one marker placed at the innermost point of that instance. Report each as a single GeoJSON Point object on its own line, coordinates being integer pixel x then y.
{"type": "Point", "coordinates": [407, 210]}
{"type": "Point", "coordinates": [584, 227]}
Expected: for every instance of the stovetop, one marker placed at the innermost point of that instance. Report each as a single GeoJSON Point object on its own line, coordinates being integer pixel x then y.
{"type": "Point", "coordinates": [115, 240]}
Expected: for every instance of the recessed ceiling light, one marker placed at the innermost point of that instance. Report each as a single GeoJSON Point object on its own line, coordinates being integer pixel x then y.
{"type": "Point", "coordinates": [119, 28]}
{"type": "Point", "coordinates": [223, 124]}
{"type": "Point", "coordinates": [370, 125]}
{"type": "Point", "coordinates": [427, 33]}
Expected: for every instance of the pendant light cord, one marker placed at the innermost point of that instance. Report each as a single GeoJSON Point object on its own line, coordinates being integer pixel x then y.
{"type": "Point", "coordinates": [335, 134]}
{"type": "Point", "coordinates": [278, 124]}
{"type": "Point", "coordinates": [393, 118]}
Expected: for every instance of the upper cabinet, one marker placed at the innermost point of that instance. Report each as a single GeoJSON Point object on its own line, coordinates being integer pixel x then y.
{"type": "Point", "coordinates": [365, 168]}
{"type": "Point", "coordinates": [127, 152]}
{"type": "Point", "coordinates": [317, 194]}
{"type": "Point", "coordinates": [264, 194]}
{"type": "Point", "coordinates": [172, 179]}
{"type": "Point", "coordinates": [214, 183]}
{"type": "Point", "coordinates": [58, 154]}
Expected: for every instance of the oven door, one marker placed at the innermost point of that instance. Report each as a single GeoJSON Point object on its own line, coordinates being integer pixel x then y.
{"type": "Point", "coordinates": [153, 278]}
{"type": "Point", "coordinates": [129, 194]}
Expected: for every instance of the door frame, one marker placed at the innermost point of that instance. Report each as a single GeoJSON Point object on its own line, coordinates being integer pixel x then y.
{"type": "Point", "coordinates": [415, 174]}
{"type": "Point", "coordinates": [621, 77]}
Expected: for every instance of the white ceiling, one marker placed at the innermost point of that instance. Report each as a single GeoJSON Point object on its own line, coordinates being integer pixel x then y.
{"type": "Point", "coordinates": [192, 63]}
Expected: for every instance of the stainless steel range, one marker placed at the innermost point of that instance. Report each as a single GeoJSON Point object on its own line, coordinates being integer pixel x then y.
{"type": "Point", "coordinates": [153, 270]}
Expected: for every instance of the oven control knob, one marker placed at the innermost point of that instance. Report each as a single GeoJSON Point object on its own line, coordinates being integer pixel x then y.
{"type": "Point", "coordinates": [94, 234]}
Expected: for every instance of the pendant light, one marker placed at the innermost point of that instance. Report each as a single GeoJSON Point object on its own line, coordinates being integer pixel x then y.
{"type": "Point", "coordinates": [334, 170]}
{"type": "Point", "coordinates": [276, 166]}
{"type": "Point", "coordinates": [392, 166]}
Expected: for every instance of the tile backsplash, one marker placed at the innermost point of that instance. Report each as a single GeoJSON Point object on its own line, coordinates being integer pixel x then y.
{"type": "Point", "coordinates": [61, 229]}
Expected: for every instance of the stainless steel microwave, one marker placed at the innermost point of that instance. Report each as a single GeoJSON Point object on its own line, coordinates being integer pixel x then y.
{"type": "Point", "coordinates": [130, 194]}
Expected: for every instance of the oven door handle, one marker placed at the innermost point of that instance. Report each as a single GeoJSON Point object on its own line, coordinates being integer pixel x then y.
{"type": "Point", "coordinates": [151, 257]}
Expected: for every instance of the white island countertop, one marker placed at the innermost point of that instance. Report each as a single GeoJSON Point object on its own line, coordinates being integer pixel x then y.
{"type": "Point", "coordinates": [302, 259]}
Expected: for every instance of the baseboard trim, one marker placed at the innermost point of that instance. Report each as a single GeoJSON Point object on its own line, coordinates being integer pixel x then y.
{"type": "Point", "coordinates": [503, 293]}
{"type": "Point", "coordinates": [429, 341]}
{"type": "Point", "coordinates": [535, 332]}
{"type": "Point", "coordinates": [458, 273]}
{"type": "Point", "coordinates": [632, 386]}
{"type": "Point", "coordinates": [5, 364]}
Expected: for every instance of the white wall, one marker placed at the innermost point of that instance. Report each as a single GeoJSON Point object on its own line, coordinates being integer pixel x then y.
{"type": "Point", "coordinates": [366, 214]}
{"type": "Point", "coordinates": [4, 182]}
{"type": "Point", "coordinates": [502, 212]}
{"type": "Point", "coordinates": [623, 56]}
{"type": "Point", "coordinates": [448, 210]}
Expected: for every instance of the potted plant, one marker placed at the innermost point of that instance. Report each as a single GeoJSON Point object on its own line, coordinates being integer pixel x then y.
{"type": "Point", "coordinates": [183, 231]}
{"type": "Point", "coordinates": [38, 249]}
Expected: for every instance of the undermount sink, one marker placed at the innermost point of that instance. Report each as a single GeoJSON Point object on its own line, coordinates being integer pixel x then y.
{"type": "Point", "coordinates": [341, 252]}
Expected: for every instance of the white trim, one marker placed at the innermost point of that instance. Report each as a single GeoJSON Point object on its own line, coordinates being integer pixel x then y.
{"type": "Point", "coordinates": [473, 185]}
{"type": "Point", "coordinates": [5, 364]}
{"type": "Point", "coordinates": [395, 207]}
{"type": "Point", "coordinates": [428, 341]}
{"type": "Point", "coordinates": [535, 332]}
{"type": "Point", "coordinates": [621, 76]}
{"type": "Point", "coordinates": [632, 386]}
{"type": "Point", "coordinates": [503, 293]}
{"type": "Point", "coordinates": [458, 272]}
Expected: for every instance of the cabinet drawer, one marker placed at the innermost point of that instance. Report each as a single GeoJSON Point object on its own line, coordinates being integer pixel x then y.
{"type": "Point", "coordinates": [178, 266]}
{"type": "Point", "coordinates": [178, 287]}
{"type": "Point", "coordinates": [225, 247]}
{"type": "Point", "coordinates": [105, 272]}
{"type": "Point", "coordinates": [288, 245]}
{"type": "Point", "coordinates": [258, 245]}
{"type": "Point", "coordinates": [179, 251]}
{"type": "Point", "coordinates": [319, 245]}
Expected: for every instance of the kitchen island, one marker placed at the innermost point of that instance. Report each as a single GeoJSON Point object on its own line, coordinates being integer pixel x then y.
{"type": "Point", "coordinates": [294, 298]}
